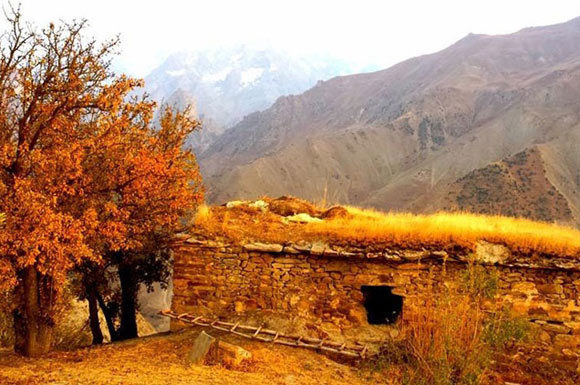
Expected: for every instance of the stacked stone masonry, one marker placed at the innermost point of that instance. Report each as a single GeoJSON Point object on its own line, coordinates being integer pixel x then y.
{"type": "Point", "coordinates": [320, 282]}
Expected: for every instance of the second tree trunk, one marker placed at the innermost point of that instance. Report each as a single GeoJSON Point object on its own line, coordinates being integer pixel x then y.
{"type": "Point", "coordinates": [129, 286]}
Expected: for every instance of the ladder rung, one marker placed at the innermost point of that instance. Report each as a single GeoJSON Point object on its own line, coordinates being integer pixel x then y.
{"type": "Point", "coordinates": [362, 353]}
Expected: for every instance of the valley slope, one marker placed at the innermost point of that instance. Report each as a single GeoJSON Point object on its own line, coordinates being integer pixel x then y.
{"type": "Point", "coordinates": [408, 137]}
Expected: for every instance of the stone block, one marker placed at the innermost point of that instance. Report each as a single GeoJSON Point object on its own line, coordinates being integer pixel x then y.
{"type": "Point", "coordinates": [566, 341]}
{"type": "Point", "coordinates": [339, 266]}
{"type": "Point", "coordinates": [526, 288]}
{"type": "Point", "coordinates": [491, 253]}
{"type": "Point", "coordinates": [413, 255]}
{"type": "Point", "coordinates": [288, 261]}
{"type": "Point", "coordinates": [357, 316]}
{"type": "Point", "coordinates": [229, 355]}
{"type": "Point", "coordinates": [549, 288]}
{"type": "Point", "coordinates": [264, 247]}
{"type": "Point", "coordinates": [574, 326]}
{"type": "Point", "coordinates": [318, 248]}
{"type": "Point", "coordinates": [239, 307]}
{"type": "Point", "coordinates": [556, 328]}
{"type": "Point", "coordinates": [198, 355]}
{"type": "Point", "coordinates": [330, 253]}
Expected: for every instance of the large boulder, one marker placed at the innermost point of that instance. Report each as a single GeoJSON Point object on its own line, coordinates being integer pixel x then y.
{"type": "Point", "coordinates": [286, 206]}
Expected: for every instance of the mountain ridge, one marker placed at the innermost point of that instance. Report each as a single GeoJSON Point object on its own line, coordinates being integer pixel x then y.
{"type": "Point", "coordinates": [393, 138]}
{"type": "Point", "coordinates": [227, 83]}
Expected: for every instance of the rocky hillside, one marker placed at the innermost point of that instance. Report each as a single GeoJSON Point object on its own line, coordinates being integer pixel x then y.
{"type": "Point", "coordinates": [518, 185]}
{"type": "Point", "coordinates": [399, 138]}
{"type": "Point", "coordinates": [229, 83]}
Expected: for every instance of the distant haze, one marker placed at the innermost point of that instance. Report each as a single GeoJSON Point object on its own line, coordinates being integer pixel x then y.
{"type": "Point", "coordinates": [369, 32]}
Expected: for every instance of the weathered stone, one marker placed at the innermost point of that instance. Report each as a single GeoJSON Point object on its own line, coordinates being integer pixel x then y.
{"type": "Point", "coordinates": [239, 307]}
{"type": "Point", "coordinates": [201, 348]}
{"type": "Point", "coordinates": [556, 328]}
{"type": "Point", "coordinates": [290, 250]}
{"type": "Point", "coordinates": [544, 337]}
{"type": "Point", "coordinates": [412, 255]}
{"type": "Point", "coordinates": [347, 254]}
{"type": "Point", "coordinates": [339, 266]}
{"type": "Point", "coordinates": [230, 355]}
{"type": "Point", "coordinates": [526, 288]}
{"type": "Point", "coordinates": [442, 254]}
{"type": "Point", "coordinates": [318, 248]}
{"type": "Point", "coordinates": [412, 266]}
{"type": "Point", "coordinates": [301, 218]}
{"type": "Point", "coordinates": [330, 253]}
{"type": "Point", "coordinates": [574, 326]}
{"type": "Point", "coordinates": [392, 257]}
{"type": "Point", "coordinates": [260, 205]}
{"type": "Point", "coordinates": [567, 365]}
{"type": "Point", "coordinates": [290, 261]}
{"type": "Point", "coordinates": [357, 315]}
{"type": "Point", "coordinates": [264, 247]}
{"type": "Point", "coordinates": [549, 288]}
{"type": "Point", "coordinates": [566, 341]}
{"type": "Point", "coordinates": [491, 253]}
{"type": "Point", "coordinates": [302, 246]}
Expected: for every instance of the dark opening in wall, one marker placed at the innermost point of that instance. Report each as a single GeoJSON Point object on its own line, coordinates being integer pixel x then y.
{"type": "Point", "coordinates": [383, 307]}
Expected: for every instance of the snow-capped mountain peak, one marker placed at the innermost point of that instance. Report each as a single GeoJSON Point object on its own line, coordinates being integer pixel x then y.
{"type": "Point", "coordinates": [229, 83]}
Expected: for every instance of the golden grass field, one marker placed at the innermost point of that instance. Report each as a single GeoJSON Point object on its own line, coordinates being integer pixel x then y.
{"type": "Point", "coordinates": [162, 359]}
{"type": "Point", "coordinates": [364, 226]}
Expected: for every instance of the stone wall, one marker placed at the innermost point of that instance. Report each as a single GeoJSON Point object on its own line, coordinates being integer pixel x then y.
{"type": "Point", "coordinates": [319, 282]}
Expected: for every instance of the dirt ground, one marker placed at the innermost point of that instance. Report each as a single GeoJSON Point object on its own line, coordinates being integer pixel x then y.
{"type": "Point", "coordinates": [161, 359]}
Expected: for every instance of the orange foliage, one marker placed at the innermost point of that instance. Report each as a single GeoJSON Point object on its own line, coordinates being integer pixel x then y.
{"type": "Point", "coordinates": [82, 170]}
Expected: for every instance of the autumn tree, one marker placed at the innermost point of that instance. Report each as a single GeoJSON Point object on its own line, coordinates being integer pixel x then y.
{"type": "Point", "coordinates": [80, 166]}
{"type": "Point", "coordinates": [144, 187]}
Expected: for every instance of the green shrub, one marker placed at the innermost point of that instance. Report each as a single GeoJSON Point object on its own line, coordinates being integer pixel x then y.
{"type": "Point", "coordinates": [453, 339]}
{"type": "Point", "coordinates": [503, 328]}
{"type": "Point", "coordinates": [480, 282]}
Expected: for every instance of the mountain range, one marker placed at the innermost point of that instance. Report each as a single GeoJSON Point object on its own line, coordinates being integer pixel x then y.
{"type": "Point", "coordinates": [224, 84]}
{"type": "Point", "coordinates": [490, 124]}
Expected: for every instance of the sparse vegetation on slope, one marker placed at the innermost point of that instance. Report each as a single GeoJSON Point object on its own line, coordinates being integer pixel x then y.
{"type": "Point", "coordinates": [445, 230]}
{"type": "Point", "coordinates": [515, 186]}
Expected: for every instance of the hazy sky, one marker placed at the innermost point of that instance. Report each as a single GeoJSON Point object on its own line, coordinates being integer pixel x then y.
{"type": "Point", "coordinates": [374, 32]}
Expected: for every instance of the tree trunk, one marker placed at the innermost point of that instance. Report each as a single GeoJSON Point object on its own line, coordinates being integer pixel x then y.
{"type": "Point", "coordinates": [94, 317]}
{"type": "Point", "coordinates": [108, 318]}
{"type": "Point", "coordinates": [128, 327]}
{"type": "Point", "coordinates": [32, 328]}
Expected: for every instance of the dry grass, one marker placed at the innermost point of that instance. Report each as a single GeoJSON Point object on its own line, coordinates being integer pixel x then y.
{"type": "Point", "coordinates": [162, 360]}
{"type": "Point", "coordinates": [445, 340]}
{"type": "Point", "coordinates": [462, 229]}
{"type": "Point", "coordinates": [455, 337]}
{"type": "Point", "coordinates": [364, 227]}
